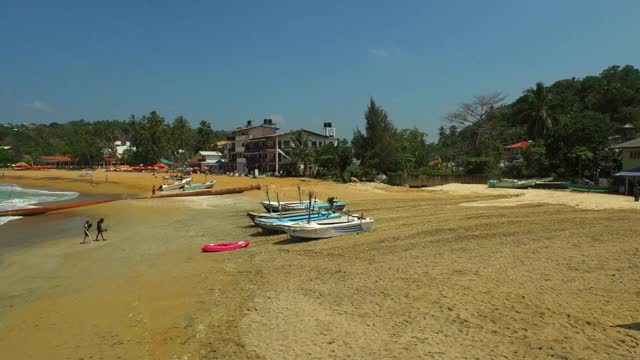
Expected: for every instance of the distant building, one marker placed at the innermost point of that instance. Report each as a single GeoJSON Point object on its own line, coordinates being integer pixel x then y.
{"type": "Point", "coordinates": [209, 160]}
{"type": "Point", "coordinates": [60, 162]}
{"type": "Point", "coordinates": [121, 148]}
{"type": "Point", "coordinates": [516, 150]}
{"type": "Point", "coordinates": [261, 147]}
{"type": "Point", "coordinates": [630, 155]}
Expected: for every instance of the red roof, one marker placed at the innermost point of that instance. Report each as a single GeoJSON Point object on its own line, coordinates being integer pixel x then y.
{"type": "Point", "coordinates": [520, 145]}
{"type": "Point", "coordinates": [63, 158]}
{"type": "Point", "coordinates": [195, 159]}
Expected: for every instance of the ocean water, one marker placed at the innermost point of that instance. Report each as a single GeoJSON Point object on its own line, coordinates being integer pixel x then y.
{"type": "Point", "coordinates": [13, 196]}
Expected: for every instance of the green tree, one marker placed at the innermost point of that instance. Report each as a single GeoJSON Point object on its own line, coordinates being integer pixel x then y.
{"type": "Point", "coordinates": [538, 113]}
{"type": "Point", "coordinates": [376, 148]}
{"type": "Point", "coordinates": [333, 160]}
{"type": "Point", "coordinates": [181, 140]}
{"type": "Point", "coordinates": [150, 138]}
{"type": "Point", "coordinates": [300, 151]}
{"type": "Point", "coordinates": [413, 146]}
{"type": "Point", "coordinates": [582, 154]}
{"type": "Point", "coordinates": [205, 136]}
{"type": "Point", "coordinates": [588, 130]}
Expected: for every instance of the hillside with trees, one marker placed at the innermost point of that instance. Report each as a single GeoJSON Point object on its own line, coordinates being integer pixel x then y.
{"type": "Point", "coordinates": [571, 125]}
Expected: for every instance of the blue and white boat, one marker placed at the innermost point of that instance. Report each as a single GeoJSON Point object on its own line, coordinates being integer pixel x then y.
{"type": "Point", "coordinates": [296, 206]}
{"type": "Point", "coordinates": [274, 224]}
{"type": "Point", "coordinates": [200, 186]}
{"type": "Point", "coordinates": [322, 229]}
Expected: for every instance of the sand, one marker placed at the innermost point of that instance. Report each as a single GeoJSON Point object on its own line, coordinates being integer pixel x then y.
{"type": "Point", "coordinates": [455, 272]}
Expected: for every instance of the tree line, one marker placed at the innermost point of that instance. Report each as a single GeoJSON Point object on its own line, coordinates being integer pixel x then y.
{"type": "Point", "coordinates": [571, 124]}
{"type": "Point", "coordinates": [89, 142]}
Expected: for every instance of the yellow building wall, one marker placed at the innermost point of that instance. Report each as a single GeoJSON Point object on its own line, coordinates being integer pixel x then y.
{"type": "Point", "coordinates": [629, 162]}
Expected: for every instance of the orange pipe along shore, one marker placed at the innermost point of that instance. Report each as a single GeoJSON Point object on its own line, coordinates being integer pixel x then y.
{"type": "Point", "coordinates": [45, 209]}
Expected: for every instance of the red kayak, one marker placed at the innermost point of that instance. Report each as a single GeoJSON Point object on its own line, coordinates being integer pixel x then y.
{"type": "Point", "coordinates": [225, 246]}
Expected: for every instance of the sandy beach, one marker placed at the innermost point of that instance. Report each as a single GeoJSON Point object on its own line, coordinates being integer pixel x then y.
{"type": "Point", "coordinates": [452, 272]}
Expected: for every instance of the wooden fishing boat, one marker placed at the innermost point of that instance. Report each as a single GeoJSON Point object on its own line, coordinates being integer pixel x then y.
{"type": "Point", "coordinates": [273, 224]}
{"type": "Point", "coordinates": [200, 186]}
{"type": "Point", "coordinates": [587, 188]}
{"type": "Point", "coordinates": [551, 185]}
{"type": "Point", "coordinates": [322, 229]}
{"type": "Point", "coordinates": [275, 215]}
{"type": "Point", "coordinates": [296, 206]}
{"type": "Point", "coordinates": [274, 206]}
{"type": "Point", "coordinates": [178, 185]}
{"type": "Point", "coordinates": [511, 184]}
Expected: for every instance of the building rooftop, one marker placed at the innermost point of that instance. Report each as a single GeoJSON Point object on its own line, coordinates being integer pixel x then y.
{"type": "Point", "coordinates": [287, 133]}
{"type": "Point", "coordinates": [629, 144]}
{"type": "Point", "coordinates": [63, 158]}
{"type": "Point", "coordinates": [520, 145]}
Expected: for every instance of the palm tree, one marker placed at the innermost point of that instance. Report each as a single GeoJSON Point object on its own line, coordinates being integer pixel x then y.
{"type": "Point", "coordinates": [538, 112]}
{"type": "Point", "coordinates": [300, 151]}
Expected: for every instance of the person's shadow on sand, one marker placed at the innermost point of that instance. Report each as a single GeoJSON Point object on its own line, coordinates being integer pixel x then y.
{"type": "Point", "coordinates": [632, 326]}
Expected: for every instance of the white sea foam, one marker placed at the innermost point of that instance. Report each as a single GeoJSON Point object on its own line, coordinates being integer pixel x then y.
{"type": "Point", "coordinates": [13, 197]}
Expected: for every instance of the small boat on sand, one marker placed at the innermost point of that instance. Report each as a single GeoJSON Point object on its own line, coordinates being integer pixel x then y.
{"type": "Point", "coordinates": [297, 206]}
{"type": "Point", "coordinates": [276, 215]}
{"type": "Point", "coordinates": [178, 185]}
{"type": "Point", "coordinates": [200, 186]}
{"type": "Point", "coordinates": [225, 246]}
{"type": "Point", "coordinates": [274, 224]}
{"type": "Point", "coordinates": [551, 185]}
{"type": "Point", "coordinates": [322, 229]}
{"type": "Point", "coordinates": [511, 184]}
{"type": "Point", "coordinates": [587, 188]}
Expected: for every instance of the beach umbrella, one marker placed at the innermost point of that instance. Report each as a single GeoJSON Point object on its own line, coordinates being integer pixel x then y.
{"type": "Point", "coordinates": [160, 165]}
{"type": "Point", "coordinates": [165, 161]}
{"type": "Point", "coordinates": [21, 164]}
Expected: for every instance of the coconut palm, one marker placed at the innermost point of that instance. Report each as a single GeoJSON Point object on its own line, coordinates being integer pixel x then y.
{"type": "Point", "coordinates": [538, 111]}
{"type": "Point", "coordinates": [300, 151]}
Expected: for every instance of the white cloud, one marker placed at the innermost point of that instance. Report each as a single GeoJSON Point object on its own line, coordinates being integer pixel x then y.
{"type": "Point", "coordinates": [378, 52]}
{"type": "Point", "coordinates": [278, 119]}
{"type": "Point", "coordinates": [38, 106]}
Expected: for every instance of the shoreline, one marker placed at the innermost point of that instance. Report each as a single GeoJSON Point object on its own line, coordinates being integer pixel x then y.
{"type": "Point", "coordinates": [444, 271]}
{"type": "Point", "coordinates": [29, 230]}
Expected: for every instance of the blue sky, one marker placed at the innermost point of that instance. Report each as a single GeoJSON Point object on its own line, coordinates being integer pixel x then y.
{"type": "Point", "coordinates": [300, 62]}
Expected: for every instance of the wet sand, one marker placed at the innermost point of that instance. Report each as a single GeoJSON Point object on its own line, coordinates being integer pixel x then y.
{"type": "Point", "coordinates": [437, 278]}
{"type": "Point", "coordinates": [30, 230]}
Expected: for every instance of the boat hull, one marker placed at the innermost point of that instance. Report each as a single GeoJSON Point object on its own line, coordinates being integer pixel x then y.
{"type": "Point", "coordinates": [200, 186]}
{"type": "Point", "coordinates": [551, 185]}
{"type": "Point", "coordinates": [583, 188]}
{"type": "Point", "coordinates": [296, 206]}
{"type": "Point", "coordinates": [511, 184]}
{"type": "Point", "coordinates": [176, 186]}
{"type": "Point", "coordinates": [275, 225]}
{"type": "Point", "coordinates": [327, 228]}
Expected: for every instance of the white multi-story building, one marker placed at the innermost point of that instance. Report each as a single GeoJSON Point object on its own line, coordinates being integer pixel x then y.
{"type": "Point", "coordinates": [261, 147]}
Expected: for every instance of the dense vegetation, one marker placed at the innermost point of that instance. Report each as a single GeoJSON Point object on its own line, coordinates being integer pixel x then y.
{"type": "Point", "coordinates": [88, 142]}
{"type": "Point", "coordinates": [572, 124]}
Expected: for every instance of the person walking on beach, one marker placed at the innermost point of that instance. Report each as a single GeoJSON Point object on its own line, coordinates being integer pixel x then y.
{"type": "Point", "coordinates": [87, 234]}
{"type": "Point", "coordinates": [153, 189]}
{"type": "Point", "coordinates": [100, 230]}
{"type": "Point", "coordinates": [636, 192]}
